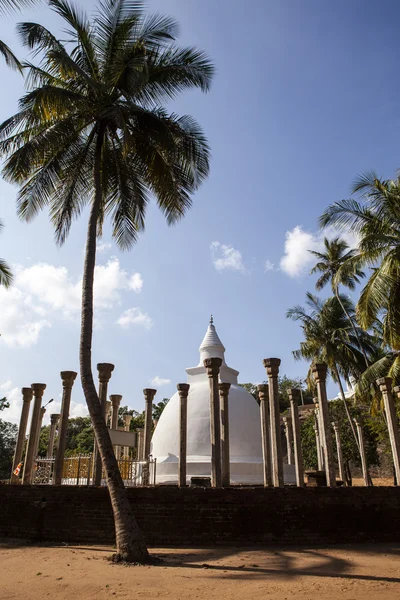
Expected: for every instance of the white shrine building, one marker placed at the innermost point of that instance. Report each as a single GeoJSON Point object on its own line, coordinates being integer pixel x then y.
{"type": "Point", "coordinates": [244, 424]}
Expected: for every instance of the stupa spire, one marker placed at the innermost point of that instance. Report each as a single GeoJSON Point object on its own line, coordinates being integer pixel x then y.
{"type": "Point", "coordinates": [211, 346]}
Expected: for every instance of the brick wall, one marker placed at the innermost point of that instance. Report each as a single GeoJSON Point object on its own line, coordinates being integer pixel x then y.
{"type": "Point", "coordinates": [237, 516]}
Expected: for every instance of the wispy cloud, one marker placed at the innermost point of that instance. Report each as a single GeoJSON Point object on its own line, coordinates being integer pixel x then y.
{"type": "Point", "coordinates": [297, 259]}
{"type": "Point", "coordinates": [268, 266]}
{"type": "Point", "coordinates": [103, 247]}
{"type": "Point", "coordinates": [226, 257]}
{"type": "Point", "coordinates": [159, 381]}
{"type": "Point", "coordinates": [134, 316]}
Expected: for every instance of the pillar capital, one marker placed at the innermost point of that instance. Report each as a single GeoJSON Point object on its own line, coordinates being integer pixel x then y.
{"type": "Point", "coordinates": [335, 425]}
{"type": "Point", "coordinates": [42, 411]}
{"type": "Point", "coordinates": [127, 420]}
{"type": "Point", "coordinates": [54, 418]}
{"type": "Point", "coordinates": [294, 395]}
{"type": "Point", "coordinates": [115, 400]}
{"type": "Point", "coordinates": [286, 420]}
{"type": "Point", "coordinates": [183, 389]}
{"type": "Point", "coordinates": [27, 394]}
{"type": "Point", "coordinates": [272, 366]}
{"type": "Point", "coordinates": [385, 384]}
{"type": "Point", "coordinates": [396, 390]}
{"type": "Point", "coordinates": [149, 394]}
{"type": "Point", "coordinates": [359, 421]}
{"type": "Point", "coordinates": [213, 366]}
{"type": "Point", "coordinates": [224, 388]}
{"type": "Point", "coordinates": [105, 370]}
{"type": "Point", "coordinates": [319, 371]}
{"type": "Point", "coordinates": [263, 393]}
{"type": "Point", "coordinates": [38, 389]}
{"type": "Point", "coordinates": [68, 378]}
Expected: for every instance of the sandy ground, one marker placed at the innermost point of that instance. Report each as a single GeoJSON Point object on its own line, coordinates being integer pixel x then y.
{"type": "Point", "coordinates": [82, 572]}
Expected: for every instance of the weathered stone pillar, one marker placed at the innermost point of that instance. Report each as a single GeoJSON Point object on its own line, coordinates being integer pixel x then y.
{"type": "Point", "coordinates": [294, 396]}
{"type": "Point", "coordinates": [148, 420]}
{"type": "Point", "coordinates": [127, 425]}
{"type": "Point", "coordinates": [68, 378]}
{"type": "Point", "coordinates": [225, 450]}
{"type": "Point", "coordinates": [287, 421]}
{"type": "Point", "coordinates": [385, 385]}
{"type": "Point", "coordinates": [38, 430]}
{"type": "Point", "coordinates": [115, 403]}
{"type": "Point", "coordinates": [140, 446]}
{"type": "Point", "coordinates": [272, 367]}
{"type": "Point", "coordinates": [213, 366]}
{"type": "Point", "coordinates": [263, 396]}
{"type": "Point", "coordinates": [52, 436]}
{"type": "Point", "coordinates": [108, 414]}
{"type": "Point", "coordinates": [183, 391]}
{"type": "Point", "coordinates": [38, 391]}
{"type": "Point", "coordinates": [335, 425]}
{"type": "Point", "coordinates": [320, 458]}
{"type": "Point", "coordinates": [360, 435]}
{"type": "Point", "coordinates": [105, 371]}
{"type": "Point", "coordinates": [19, 448]}
{"type": "Point", "coordinates": [319, 372]}
{"type": "Point", "coordinates": [396, 391]}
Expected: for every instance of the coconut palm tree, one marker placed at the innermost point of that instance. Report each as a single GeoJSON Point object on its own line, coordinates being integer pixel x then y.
{"type": "Point", "coordinates": [91, 133]}
{"type": "Point", "coordinates": [330, 264]}
{"type": "Point", "coordinates": [13, 5]}
{"type": "Point", "coordinates": [375, 217]}
{"type": "Point", "coordinates": [6, 276]}
{"type": "Point", "coordinates": [329, 338]}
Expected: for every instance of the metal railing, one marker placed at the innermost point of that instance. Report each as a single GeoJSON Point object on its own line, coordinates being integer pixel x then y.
{"type": "Point", "coordinates": [78, 470]}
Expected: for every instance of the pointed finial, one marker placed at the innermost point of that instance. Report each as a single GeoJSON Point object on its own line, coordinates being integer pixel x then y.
{"type": "Point", "coordinates": [211, 320]}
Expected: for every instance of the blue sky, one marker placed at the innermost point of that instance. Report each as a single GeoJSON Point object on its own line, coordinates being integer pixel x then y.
{"type": "Point", "coordinates": [304, 99]}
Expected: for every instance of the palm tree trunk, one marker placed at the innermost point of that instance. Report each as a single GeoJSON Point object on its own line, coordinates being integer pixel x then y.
{"type": "Point", "coordinates": [353, 429]}
{"type": "Point", "coordinates": [353, 326]}
{"type": "Point", "coordinates": [129, 540]}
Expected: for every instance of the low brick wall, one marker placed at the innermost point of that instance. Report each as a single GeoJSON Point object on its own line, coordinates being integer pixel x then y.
{"type": "Point", "coordinates": [191, 517]}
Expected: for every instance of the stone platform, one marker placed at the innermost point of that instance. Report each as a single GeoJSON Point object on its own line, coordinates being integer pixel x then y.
{"type": "Point", "coordinates": [205, 516]}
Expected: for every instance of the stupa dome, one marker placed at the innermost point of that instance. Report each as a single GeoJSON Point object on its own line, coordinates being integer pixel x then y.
{"type": "Point", "coordinates": [244, 424]}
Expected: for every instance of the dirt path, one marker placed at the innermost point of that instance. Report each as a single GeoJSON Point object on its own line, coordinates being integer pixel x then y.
{"type": "Point", "coordinates": [82, 573]}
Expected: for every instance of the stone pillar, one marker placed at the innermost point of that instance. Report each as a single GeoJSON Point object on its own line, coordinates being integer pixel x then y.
{"type": "Point", "coordinates": [148, 420]}
{"type": "Point", "coordinates": [104, 370]}
{"type": "Point", "coordinates": [140, 445]}
{"type": "Point", "coordinates": [183, 391]}
{"type": "Point", "coordinates": [385, 385]}
{"type": "Point", "coordinates": [263, 396]}
{"type": "Point", "coordinates": [108, 414]}
{"type": "Point", "coordinates": [19, 448]}
{"type": "Point", "coordinates": [289, 438]}
{"type": "Point", "coordinates": [360, 435]}
{"type": "Point", "coordinates": [272, 367]}
{"type": "Point", "coordinates": [396, 390]}
{"type": "Point", "coordinates": [127, 425]}
{"type": "Point", "coordinates": [52, 436]}
{"type": "Point", "coordinates": [38, 390]}
{"type": "Point", "coordinates": [335, 425]}
{"type": "Point", "coordinates": [38, 430]}
{"type": "Point", "coordinates": [294, 396]}
{"type": "Point", "coordinates": [225, 450]}
{"type": "Point", "coordinates": [213, 366]}
{"type": "Point", "coordinates": [319, 372]}
{"type": "Point", "coordinates": [68, 378]}
{"type": "Point", "coordinates": [115, 404]}
{"type": "Point", "coordinates": [320, 457]}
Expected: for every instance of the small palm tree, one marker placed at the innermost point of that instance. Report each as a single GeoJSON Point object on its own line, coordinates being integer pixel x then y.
{"type": "Point", "coordinates": [91, 132]}
{"type": "Point", "coordinates": [376, 219]}
{"type": "Point", "coordinates": [334, 265]}
{"type": "Point", "coordinates": [6, 276]}
{"type": "Point", "coordinates": [329, 338]}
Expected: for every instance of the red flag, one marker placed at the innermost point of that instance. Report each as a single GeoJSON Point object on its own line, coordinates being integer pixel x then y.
{"type": "Point", "coordinates": [18, 469]}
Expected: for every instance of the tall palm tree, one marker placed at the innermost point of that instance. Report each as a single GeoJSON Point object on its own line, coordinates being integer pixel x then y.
{"type": "Point", "coordinates": [6, 276]}
{"type": "Point", "coordinates": [376, 219]}
{"type": "Point", "coordinates": [329, 338]}
{"type": "Point", "coordinates": [13, 5]}
{"type": "Point", "coordinates": [333, 265]}
{"type": "Point", "coordinates": [91, 132]}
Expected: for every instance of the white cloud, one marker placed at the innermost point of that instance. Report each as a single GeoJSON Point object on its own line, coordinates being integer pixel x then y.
{"type": "Point", "coordinates": [158, 381]}
{"type": "Point", "coordinates": [134, 316]}
{"type": "Point", "coordinates": [14, 397]}
{"type": "Point", "coordinates": [226, 257]}
{"type": "Point", "coordinates": [103, 247]}
{"type": "Point", "coordinates": [268, 266]}
{"type": "Point", "coordinates": [297, 259]}
{"type": "Point", "coordinates": [42, 292]}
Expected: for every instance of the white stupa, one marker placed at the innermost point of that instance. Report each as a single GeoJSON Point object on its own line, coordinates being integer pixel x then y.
{"type": "Point", "coordinates": [244, 425]}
